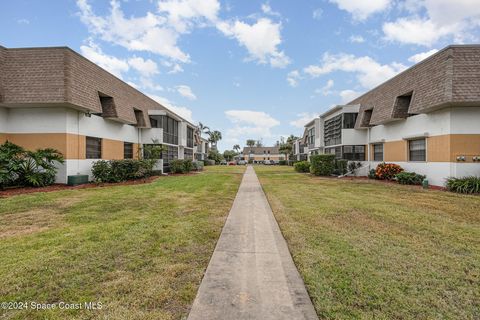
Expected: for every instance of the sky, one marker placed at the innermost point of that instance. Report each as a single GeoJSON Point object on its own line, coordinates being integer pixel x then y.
{"type": "Point", "coordinates": [250, 69]}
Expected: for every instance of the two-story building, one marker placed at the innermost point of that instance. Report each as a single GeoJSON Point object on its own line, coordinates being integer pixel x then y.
{"type": "Point", "coordinates": [426, 119]}
{"type": "Point", "coordinates": [56, 98]}
{"type": "Point", "coordinates": [260, 154]}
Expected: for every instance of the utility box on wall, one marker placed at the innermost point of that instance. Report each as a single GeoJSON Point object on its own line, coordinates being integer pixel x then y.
{"type": "Point", "coordinates": [77, 179]}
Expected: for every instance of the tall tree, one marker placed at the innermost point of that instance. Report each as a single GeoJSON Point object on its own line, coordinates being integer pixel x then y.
{"type": "Point", "coordinates": [286, 148]}
{"type": "Point", "coordinates": [236, 148]}
{"type": "Point", "coordinates": [259, 143]}
{"type": "Point", "coordinates": [203, 129]}
{"type": "Point", "coordinates": [215, 136]}
{"type": "Point", "coordinates": [250, 143]}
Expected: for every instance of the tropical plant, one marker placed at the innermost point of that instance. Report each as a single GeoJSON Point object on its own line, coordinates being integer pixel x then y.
{"type": "Point", "coordinates": [28, 168]}
{"type": "Point", "coordinates": [302, 166]}
{"type": "Point", "coordinates": [229, 155]}
{"type": "Point", "coordinates": [341, 166]}
{"type": "Point", "coordinates": [259, 143]}
{"type": "Point", "coordinates": [387, 171]}
{"type": "Point", "coordinates": [409, 178]}
{"type": "Point", "coordinates": [322, 164]}
{"type": "Point", "coordinates": [104, 171]}
{"type": "Point", "coordinates": [214, 155]}
{"type": "Point", "coordinates": [11, 157]}
{"type": "Point", "coordinates": [215, 136]}
{"type": "Point", "coordinates": [250, 143]}
{"type": "Point", "coordinates": [468, 185]}
{"type": "Point", "coordinates": [236, 148]}
{"type": "Point", "coordinates": [203, 129]}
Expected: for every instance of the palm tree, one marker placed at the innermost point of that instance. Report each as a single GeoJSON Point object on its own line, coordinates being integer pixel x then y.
{"type": "Point", "coordinates": [215, 136]}
{"type": "Point", "coordinates": [236, 148]}
{"type": "Point", "coordinates": [203, 129]}
{"type": "Point", "coordinates": [250, 143]}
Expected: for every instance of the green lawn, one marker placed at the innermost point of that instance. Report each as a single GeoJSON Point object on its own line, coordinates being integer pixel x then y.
{"type": "Point", "coordinates": [139, 250]}
{"type": "Point", "coordinates": [370, 250]}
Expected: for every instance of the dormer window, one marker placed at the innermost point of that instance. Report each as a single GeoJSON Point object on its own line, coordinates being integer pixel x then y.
{"type": "Point", "coordinates": [139, 117]}
{"type": "Point", "coordinates": [109, 109]}
{"type": "Point", "coordinates": [401, 106]}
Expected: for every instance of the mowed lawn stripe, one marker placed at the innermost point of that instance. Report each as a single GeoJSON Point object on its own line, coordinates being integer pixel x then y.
{"type": "Point", "coordinates": [140, 250]}
{"type": "Point", "coordinates": [367, 249]}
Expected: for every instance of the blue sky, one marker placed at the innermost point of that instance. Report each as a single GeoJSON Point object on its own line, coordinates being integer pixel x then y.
{"type": "Point", "coordinates": [251, 69]}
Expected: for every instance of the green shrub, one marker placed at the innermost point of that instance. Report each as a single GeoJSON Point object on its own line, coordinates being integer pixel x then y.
{"type": "Point", "coordinates": [282, 162]}
{"type": "Point", "coordinates": [198, 165]}
{"type": "Point", "coordinates": [19, 167]}
{"type": "Point", "coordinates": [409, 178]}
{"type": "Point", "coordinates": [187, 166]}
{"type": "Point", "coordinates": [176, 166]}
{"type": "Point", "coordinates": [302, 166]}
{"type": "Point", "coordinates": [469, 185]}
{"type": "Point", "coordinates": [340, 166]}
{"type": "Point", "coordinates": [121, 170]}
{"type": "Point", "coordinates": [322, 164]}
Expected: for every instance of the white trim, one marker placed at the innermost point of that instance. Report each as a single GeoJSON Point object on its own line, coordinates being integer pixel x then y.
{"type": "Point", "coordinates": [416, 136]}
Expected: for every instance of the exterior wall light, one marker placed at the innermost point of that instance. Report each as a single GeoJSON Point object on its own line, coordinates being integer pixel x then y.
{"type": "Point", "coordinates": [476, 158]}
{"type": "Point", "coordinates": [461, 158]}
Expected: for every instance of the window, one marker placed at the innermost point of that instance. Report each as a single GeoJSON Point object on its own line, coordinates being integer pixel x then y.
{"type": "Point", "coordinates": [417, 150]}
{"type": "Point", "coordinates": [154, 122]}
{"type": "Point", "coordinates": [169, 126]}
{"type": "Point", "coordinates": [349, 120]}
{"type": "Point", "coordinates": [127, 150]}
{"type": "Point", "coordinates": [189, 137]}
{"type": "Point", "coordinates": [108, 106]}
{"type": "Point", "coordinates": [139, 117]}
{"type": "Point", "coordinates": [311, 136]}
{"type": "Point", "coordinates": [188, 154]}
{"type": "Point", "coordinates": [402, 104]}
{"type": "Point", "coordinates": [378, 152]}
{"type": "Point", "coordinates": [365, 121]}
{"type": "Point", "coordinates": [93, 148]}
{"type": "Point", "coordinates": [356, 153]}
{"type": "Point", "coordinates": [333, 131]}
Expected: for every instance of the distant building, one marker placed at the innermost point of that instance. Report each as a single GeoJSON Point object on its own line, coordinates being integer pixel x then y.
{"type": "Point", "coordinates": [260, 154]}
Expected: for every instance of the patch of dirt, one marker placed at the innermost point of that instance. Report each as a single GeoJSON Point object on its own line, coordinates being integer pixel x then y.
{"type": "Point", "coordinates": [28, 222]}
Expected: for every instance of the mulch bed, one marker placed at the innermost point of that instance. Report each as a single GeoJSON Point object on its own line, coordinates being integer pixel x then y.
{"type": "Point", "coordinates": [432, 187]}
{"type": "Point", "coordinates": [59, 187]}
{"type": "Point", "coordinates": [9, 192]}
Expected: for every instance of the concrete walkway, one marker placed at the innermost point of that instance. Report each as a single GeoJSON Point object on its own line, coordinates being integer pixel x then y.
{"type": "Point", "coordinates": [251, 274]}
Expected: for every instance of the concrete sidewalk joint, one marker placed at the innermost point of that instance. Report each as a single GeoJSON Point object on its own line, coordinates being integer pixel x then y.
{"type": "Point", "coordinates": [251, 274]}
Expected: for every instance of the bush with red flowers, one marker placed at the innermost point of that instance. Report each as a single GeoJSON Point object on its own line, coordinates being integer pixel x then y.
{"type": "Point", "coordinates": [387, 171]}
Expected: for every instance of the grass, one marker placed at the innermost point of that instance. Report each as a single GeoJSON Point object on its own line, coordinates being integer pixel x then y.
{"type": "Point", "coordinates": [370, 250]}
{"type": "Point", "coordinates": [140, 250]}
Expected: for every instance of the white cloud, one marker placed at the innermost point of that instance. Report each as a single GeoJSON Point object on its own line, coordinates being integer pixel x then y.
{"type": "Point", "coordinates": [23, 21]}
{"type": "Point", "coordinates": [261, 40]}
{"type": "Point", "coordinates": [250, 124]}
{"type": "Point", "coordinates": [94, 53]}
{"type": "Point", "coordinates": [317, 14]}
{"type": "Point", "coordinates": [348, 95]}
{"type": "Point", "coordinates": [422, 56]}
{"type": "Point", "coordinates": [183, 112]}
{"type": "Point", "coordinates": [326, 89]}
{"type": "Point", "coordinates": [184, 14]}
{"type": "Point", "coordinates": [176, 69]}
{"type": "Point", "coordinates": [356, 39]}
{"type": "Point", "coordinates": [432, 20]}
{"type": "Point", "coordinates": [149, 84]}
{"type": "Point", "coordinates": [186, 91]}
{"type": "Point", "coordinates": [361, 10]}
{"type": "Point", "coordinates": [293, 77]}
{"type": "Point", "coordinates": [147, 67]}
{"type": "Point", "coordinates": [303, 119]}
{"type": "Point", "coordinates": [368, 71]}
{"type": "Point", "coordinates": [148, 33]}
{"type": "Point", "coordinates": [267, 9]}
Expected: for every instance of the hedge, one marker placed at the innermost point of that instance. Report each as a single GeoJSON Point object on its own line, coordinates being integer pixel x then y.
{"type": "Point", "coordinates": [409, 178]}
{"type": "Point", "coordinates": [322, 164]}
{"type": "Point", "coordinates": [122, 170]}
{"type": "Point", "coordinates": [469, 185]}
{"type": "Point", "coordinates": [302, 166]}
